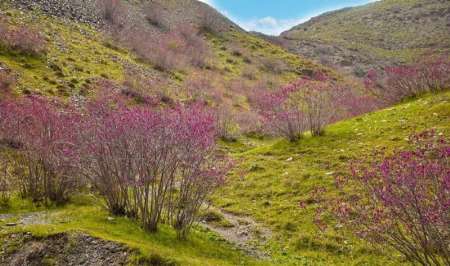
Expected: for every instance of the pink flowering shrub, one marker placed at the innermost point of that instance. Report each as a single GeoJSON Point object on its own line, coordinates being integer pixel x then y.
{"type": "Point", "coordinates": [23, 39]}
{"type": "Point", "coordinates": [140, 88]}
{"type": "Point", "coordinates": [5, 182]}
{"type": "Point", "coordinates": [309, 104]}
{"type": "Point", "coordinates": [152, 165]}
{"type": "Point", "coordinates": [113, 11]}
{"type": "Point", "coordinates": [404, 200]}
{"type": "Point", "coordinates": [210, 23]}
{"type": "Point", "coordinates": [46, 142]}
{"type": "Point", "coordinates": [194, 45]}
{"type": "Point", "coordinates": [168, 49]}
{"type": "Point", "coordinates": [165, 52]}
{"type": "Point", "coordinates": [280, 116]}
{"type": "Point", "coordinates": [249, 123]}
{"type": "Point", "coordinates": [201, 170]}
{"type": "Point", "coordinates": [3, 27]}
{"type": "Point", "coordinates": [399, 82]}
{"type": "Point", "coordinates": [350, 103]}
{"type": "Point", "coordinates": [226, 126]}
{"type": "Point", "coordinates": [303, 105]}
{"type": "Point", "coordinates": [200, 87]}
{"type": "Point", "coordinates": [7, 81]}
{"type": "Point", "coordinates": [155, 15]}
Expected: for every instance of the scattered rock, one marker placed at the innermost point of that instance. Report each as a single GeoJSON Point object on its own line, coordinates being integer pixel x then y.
{"type": "Point", "coordinates": [11, 224]}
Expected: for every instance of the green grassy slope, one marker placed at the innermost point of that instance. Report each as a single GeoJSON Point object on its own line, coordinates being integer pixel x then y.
{"type": "Point", "coordinates": [273, 176]}
{"type": "Point", "coordinates": [79, 53]}
{"type": "Point", "coordinates": [76, 54]}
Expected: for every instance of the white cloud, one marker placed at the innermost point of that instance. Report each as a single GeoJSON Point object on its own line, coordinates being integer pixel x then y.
{"type": "Point", "coordinates": [267, 22]}
{"type": "Point", "coordinates": [267, 25]}
{"type": "Point", "coordinates": [270, 25]}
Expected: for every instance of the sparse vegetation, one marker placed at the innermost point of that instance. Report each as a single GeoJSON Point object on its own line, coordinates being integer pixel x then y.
{"type": "Point", "coordinates": [154, 13]}
{"type": "Point", "coordinates": [5, 183]}
{"type": "Point", "coordinates": [226, 125]}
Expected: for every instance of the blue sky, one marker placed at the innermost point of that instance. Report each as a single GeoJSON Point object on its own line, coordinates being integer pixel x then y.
{"type": "Point", "coordinates": [274, 16]}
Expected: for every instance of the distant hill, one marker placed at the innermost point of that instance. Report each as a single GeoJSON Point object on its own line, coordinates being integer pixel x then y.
{"type": "Point", "coordinates": [374, 35]}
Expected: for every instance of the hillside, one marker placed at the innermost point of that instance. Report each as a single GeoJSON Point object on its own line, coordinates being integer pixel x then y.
{"type": "Point", "coordinates": [84, 46]}
{"type": "Point", "coordinates": [82, 51]}
{"type": "Point", "coordinates": [375, 35]}
{"type": "Point", "coordinates": [137, 132]}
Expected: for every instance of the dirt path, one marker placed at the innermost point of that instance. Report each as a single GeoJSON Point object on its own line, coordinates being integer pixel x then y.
{"type": "Point", "coordinates": [31, 218]}
{"type": "Point", "coordinates": [243, 232]}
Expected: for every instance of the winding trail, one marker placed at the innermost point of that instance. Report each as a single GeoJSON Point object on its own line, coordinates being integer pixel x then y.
{"type": "Point", "coordinates": [243, 232]}
{"type": "Point", "coordinates": [30, 218]}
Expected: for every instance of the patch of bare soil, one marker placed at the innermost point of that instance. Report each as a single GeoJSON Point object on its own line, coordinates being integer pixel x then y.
{"type": "Point", "coordinates": [31, 218]}
{"type": "Point", "coordinates": [62, 250]}
{"type": "Point", "coordinates": [243, 232]}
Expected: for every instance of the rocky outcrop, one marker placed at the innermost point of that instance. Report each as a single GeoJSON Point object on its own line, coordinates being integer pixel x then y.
{"type": "Point", "coordinates": [23, 249]}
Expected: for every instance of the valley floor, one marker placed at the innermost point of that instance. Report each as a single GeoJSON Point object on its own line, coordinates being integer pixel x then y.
{"type": "Point", "coordinates": [271, 178]}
